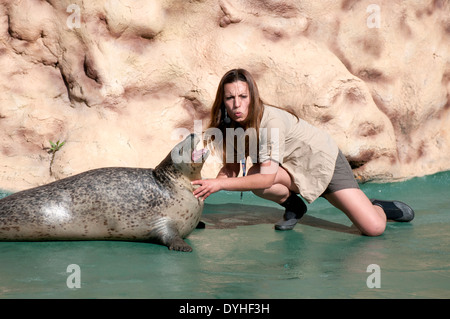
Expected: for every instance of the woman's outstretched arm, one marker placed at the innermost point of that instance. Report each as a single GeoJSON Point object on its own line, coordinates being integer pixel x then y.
{"type": "Point", "coordinates": [230, 182]}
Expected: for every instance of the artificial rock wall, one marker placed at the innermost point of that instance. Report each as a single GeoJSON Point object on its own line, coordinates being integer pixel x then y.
{"type": "Point", "coordinates": [115, 79]}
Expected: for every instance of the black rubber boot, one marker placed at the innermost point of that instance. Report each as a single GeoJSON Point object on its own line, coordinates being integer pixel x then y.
{"type": "Point", "coordinates": [295, 209]}
{"type": "Point", "coordinates": [395, 210]}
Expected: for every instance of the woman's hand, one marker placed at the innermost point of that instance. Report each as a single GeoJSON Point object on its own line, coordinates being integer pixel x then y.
{"type": "Point", "coordinates": [206, 188]}
{"type": "Point", "coordinates": [263, 179]}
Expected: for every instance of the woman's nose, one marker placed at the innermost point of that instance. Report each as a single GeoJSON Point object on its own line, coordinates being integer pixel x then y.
{"type": "Point", "coordinates": [237, 102]}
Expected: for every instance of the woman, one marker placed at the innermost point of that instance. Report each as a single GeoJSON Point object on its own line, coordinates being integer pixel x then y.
{"type": "Point", "coordinates": [293, 157]}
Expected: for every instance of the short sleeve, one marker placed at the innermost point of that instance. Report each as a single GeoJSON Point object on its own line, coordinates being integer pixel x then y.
{"type": "Point", "coordinates": [272, 141]}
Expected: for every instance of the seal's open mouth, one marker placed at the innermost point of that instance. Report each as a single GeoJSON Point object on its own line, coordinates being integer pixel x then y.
{"type": "Point", "coordinates": [198, 155]}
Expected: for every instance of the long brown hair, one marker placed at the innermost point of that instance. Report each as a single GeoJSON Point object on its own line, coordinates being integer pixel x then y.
{"type": "Point", "coordinates": [256, 107]}
{"type": "Point", "coordinates": [255, 110]}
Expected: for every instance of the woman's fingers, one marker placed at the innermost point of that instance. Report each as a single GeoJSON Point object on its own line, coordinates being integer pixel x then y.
{"type": "Point", "coordinates": [201, 190]}
{"type": "Point", "coordinates": [206, 188]}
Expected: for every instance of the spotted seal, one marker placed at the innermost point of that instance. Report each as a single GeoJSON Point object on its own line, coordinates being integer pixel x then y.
{"type": "Point", "coordinates": [117, 203]}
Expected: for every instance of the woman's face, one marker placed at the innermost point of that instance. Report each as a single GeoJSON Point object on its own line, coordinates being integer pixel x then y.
{"type": "Point", "coordinates": [237, 100]}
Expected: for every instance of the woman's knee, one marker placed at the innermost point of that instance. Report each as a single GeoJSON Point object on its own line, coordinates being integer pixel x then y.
{"type": "Point", "coordinates": [277, 193]}
{"type": "Point", "coordinates": [355, 204]}
{"type": "Point", "coordinates": [374, 229]}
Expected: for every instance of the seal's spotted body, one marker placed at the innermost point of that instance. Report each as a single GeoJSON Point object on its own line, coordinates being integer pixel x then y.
{"type": "Point", "coordinates": [117, 203]}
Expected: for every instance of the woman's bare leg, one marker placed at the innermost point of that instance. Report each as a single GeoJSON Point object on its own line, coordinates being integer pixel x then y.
{"type": "Point", "coordinates": [370, 219]}
{"type": "Point", "coordinates": [280, 190]}
{"type": "Point", "coordinates": [283, 191]}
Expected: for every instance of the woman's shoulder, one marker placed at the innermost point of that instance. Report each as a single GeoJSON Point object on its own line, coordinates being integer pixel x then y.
{"type": "Point", "coordinates": [270, 108]}
{"type": "Point", "coordinates": [276, 113]}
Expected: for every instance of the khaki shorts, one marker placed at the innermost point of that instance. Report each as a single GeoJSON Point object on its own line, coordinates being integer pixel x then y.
{"type": "Point", "coordinates": [342, 177]}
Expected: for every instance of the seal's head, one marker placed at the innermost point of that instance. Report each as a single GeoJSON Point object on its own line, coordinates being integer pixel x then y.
{"type": "Point", "coordinates": [187, 159]}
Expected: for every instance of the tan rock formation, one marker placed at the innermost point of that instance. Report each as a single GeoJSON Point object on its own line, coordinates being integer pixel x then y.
{"type": "Point", "coordinates": [118, 80]}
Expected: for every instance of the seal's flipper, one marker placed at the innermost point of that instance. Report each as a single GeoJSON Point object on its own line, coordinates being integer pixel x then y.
{"type": "Point", "coordinates": [165, 232]}
{"type": "Point", "coordinates": [179, 244]}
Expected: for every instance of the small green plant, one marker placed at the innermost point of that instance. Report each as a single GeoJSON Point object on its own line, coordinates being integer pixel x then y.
{"type": "Point", "coordinates": [55, 146]}
{"type": "Point", "coordinates": [52, 150]}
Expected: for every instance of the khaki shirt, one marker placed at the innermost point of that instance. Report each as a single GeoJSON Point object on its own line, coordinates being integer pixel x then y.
{"type": "Point", "coordinates": [307, 153]}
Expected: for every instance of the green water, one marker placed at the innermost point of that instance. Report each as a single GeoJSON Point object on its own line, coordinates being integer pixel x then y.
{"type": "Point", "coordinates": [321, 258]}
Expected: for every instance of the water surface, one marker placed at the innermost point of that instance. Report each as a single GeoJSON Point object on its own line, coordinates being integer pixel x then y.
{"type": "Point", "coordinates": [240, 255]}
